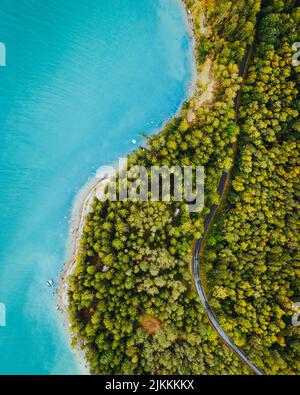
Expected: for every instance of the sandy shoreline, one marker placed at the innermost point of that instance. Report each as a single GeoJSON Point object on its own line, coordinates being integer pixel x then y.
{"type": "Point", "coordinates": [83, 205]}
{"type": "Point", "coordinates": [192, 34]}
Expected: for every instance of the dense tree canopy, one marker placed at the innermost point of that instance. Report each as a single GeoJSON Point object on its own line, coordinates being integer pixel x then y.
{"type": "Point", "coordinates": [252, 258]}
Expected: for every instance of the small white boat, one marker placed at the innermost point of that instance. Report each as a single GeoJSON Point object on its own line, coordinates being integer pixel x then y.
{"type": "Point", "coordinates": [50, 283]}
{"type": "Point", "coordinates": [133, 141]}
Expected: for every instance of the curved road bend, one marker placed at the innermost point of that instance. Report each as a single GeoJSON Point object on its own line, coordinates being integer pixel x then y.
{"type": "Point", "coordinates": [195, 267]}
{"type": "Point", "coordinates": [212, 317]}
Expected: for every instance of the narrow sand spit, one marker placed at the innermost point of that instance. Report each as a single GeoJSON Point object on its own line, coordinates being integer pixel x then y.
{"type": "Point", "coordinates": [207, 83]}
{"type": "Point", "coordinates": [204, 89]}
{"type": "Point", "coordinates": [82, 206]}
{"type": "Point", "coordinates": [204, 83]}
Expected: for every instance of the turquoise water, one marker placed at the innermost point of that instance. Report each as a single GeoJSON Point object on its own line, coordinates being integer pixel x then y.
{"type": "Point", "coordinates": [83, 78]}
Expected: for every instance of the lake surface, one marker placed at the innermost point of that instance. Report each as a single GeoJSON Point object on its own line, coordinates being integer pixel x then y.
{"type": "Point", "coordinates": [82, 79]}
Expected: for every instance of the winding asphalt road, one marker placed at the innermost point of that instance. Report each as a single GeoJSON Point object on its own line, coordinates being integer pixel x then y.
{"type": "Point", "coordinates": [225, 178]}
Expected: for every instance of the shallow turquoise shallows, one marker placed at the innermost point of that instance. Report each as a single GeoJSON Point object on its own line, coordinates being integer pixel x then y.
{"type": "Point", "coordinates": [83, 78]}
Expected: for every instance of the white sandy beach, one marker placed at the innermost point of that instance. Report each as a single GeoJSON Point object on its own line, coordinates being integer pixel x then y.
{"type": "Point", "coordinates": [82, 206]}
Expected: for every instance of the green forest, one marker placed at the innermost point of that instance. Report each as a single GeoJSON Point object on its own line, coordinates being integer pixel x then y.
{"type": "Point", "coordinates": [133, 304]}
{"type": "Point", "coordinates": [252, 256]}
